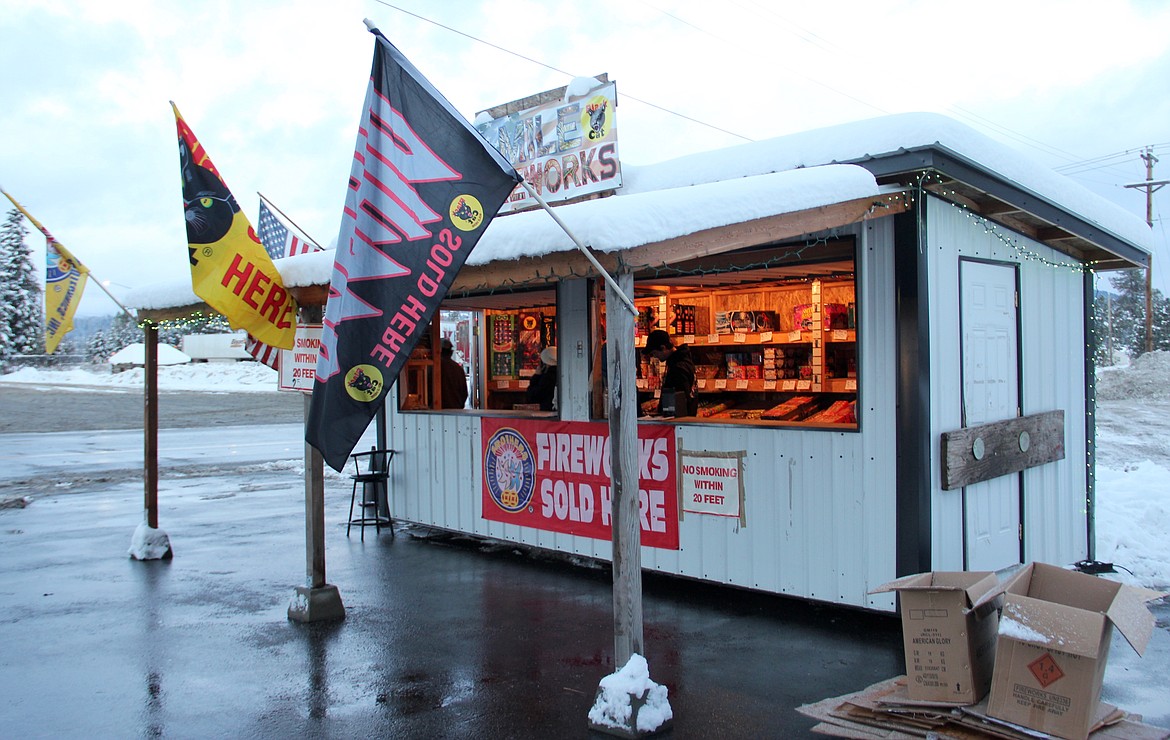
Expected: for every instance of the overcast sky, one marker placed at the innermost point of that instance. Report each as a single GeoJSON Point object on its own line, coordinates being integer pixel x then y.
{"type": "Point", "coordinates": [273, 91]}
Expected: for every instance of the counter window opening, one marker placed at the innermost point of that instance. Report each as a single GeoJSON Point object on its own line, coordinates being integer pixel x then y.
{"type": "Point", "coordinates": [765, 336]}
{"type": "Point", "coordinates": [490, 359]}
{"type": "Point", "coordinates": [439, 375]}
{"type": "Point", "coordinates": [772, 340]}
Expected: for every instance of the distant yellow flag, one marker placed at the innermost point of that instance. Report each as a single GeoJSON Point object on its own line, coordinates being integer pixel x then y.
{"type": "Point", "coordinates": [64, 283]}
{"type": "Point", "coordinates": [229, 268]}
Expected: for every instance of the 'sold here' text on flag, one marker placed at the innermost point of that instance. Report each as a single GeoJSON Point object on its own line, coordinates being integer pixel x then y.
{"type": "Point", "coordinates": [422, 188]}
{"type": "Point", "coordinates": [229, 268]}
{"type": "Point", "coordinates": [65, 278]}
{"type": "Point", "coordinates": [278, 239]}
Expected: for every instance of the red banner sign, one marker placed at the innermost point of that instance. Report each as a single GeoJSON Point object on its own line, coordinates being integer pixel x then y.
{"type": "Point", "coordinates": [555, 476]}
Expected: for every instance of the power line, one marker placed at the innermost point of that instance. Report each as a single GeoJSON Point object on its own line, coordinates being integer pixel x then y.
{"type": "Point", "coordinates": [1104, 159]}
{"type": "Point", "coordinates": [738, 47]}
{"type": "Point", "coordinates": [497, 47]}
{"type": "Point", "coordinates": [1074, 167]}
{"type": "Point", "coordinates": [1011, 133]}
{"type": "Point", "coordinates": [823, 44]}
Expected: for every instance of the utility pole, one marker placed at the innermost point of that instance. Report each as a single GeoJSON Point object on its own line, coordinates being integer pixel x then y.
{"type": "Point", "coordinates": [1151, 186]}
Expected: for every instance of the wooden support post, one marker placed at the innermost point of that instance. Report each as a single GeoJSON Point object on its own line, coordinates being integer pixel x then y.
{"type": "Point", "coordinates": [623, 435]}
{"type": "Point", "coordinates": [149, 542]}
{"type": "Point", "coordinates": [314, 511]}
{"type": "Point", "coordinates": [318, 600]}
{"type": "Point", "coordinates": [150, 425]}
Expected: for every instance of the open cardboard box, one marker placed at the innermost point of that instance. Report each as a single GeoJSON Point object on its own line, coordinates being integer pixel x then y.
{"type": "Point", "coordinates": [1054, 636]}
{"type": "Point", "coordinates": [949, 624]}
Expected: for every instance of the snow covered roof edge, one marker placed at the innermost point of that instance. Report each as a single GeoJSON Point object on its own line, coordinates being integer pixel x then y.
{"type": "Point", "coordinates": [824, 149]}
{"type": "Point", "coordinates": [881, 137]}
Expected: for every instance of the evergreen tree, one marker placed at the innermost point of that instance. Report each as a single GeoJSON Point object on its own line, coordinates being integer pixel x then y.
{"type": "Point", "coordinates": [97, 349]}
{"type": "Point", "coordinates": [21, 315]}
{"type": "Point", "coordinates": [1103, 330]}
{"type": "Point", "coordinates": [121, 333]}
{"type": "Point", "coordinates": [1125, 316]}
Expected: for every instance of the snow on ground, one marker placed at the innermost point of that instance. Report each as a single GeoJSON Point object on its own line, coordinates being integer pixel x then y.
{"type": "Point", "coordinates": [1133, 439]}
{"type": "Point", "coordinates": [1146, 377]}
{"type": "Point", "coordinates": [228, 377]}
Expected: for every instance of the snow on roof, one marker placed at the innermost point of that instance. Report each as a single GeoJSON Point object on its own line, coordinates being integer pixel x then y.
{"type": "Point", "coordinates": [606, 224]}
{"type": "Point", "coordinates": [735, 185]}
{"type": "Point", "coordinates": [299, 271]}
{"type": "Point", "coordinates": [887, 135]}
{"type": "Point", "coordinates": [617, 223]}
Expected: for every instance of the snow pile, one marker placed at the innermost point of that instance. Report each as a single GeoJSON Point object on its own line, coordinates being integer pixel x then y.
{"type": "Point", "coordinates": [1147, 376]}
{"type": "Point", "coordinates": [135, 354]}
{"type": "Point", "coordinates": [149, 543]}
{"type": "Point", "coordinates": [1133, 522]}
{"type": "Point", "coordinates": [1010, 627]}
{"type": "Point", "coordinates": [619, 692]}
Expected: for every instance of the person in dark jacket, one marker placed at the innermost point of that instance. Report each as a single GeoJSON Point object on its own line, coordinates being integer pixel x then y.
{"type": "Point", "coordinates": [542, 387]}
{"type": "Point", "coordinates": [680, 368]}
{"type": "Point", "coordinates": [452, 377]}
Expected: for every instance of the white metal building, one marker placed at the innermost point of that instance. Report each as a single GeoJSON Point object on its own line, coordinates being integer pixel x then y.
{"type": "Point", "coordinates": [969, 445]}
{"type": "Point", "coordinates": [828, 515]}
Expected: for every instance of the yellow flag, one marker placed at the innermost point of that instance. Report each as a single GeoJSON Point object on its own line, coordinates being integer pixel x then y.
{"type": "Point", "coordinates": [64, 283]}
{"type": "Point", "coordinates": [229, 268]}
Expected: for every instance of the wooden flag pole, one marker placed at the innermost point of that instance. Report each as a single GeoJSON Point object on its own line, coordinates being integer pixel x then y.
{"type": "Point", "coordinates": [149, 542]}
{"type": "Point", "coordinates": [609, 281]}
{"type": "Point", "coordinates": [66, 253]}
{"type": "Point", "coordinates": [318, 600]}
{"type": "Point", "coordinates": [286, 218]}
{"type": "Point", "coordinates": [623, 435]}
{"type": "Point", "coordinates": [150, 448]}
{"type": "Point", "coordinates": [112, 298]}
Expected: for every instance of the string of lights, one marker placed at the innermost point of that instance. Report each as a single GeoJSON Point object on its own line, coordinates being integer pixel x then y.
{"type": "Point", "coordinates": [650, 271]}
{"type": "Point", "coordinates": [1024, 253]}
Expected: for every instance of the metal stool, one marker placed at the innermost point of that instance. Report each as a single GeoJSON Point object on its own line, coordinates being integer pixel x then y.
{"type": "Point", "coordinates": [374, 482]}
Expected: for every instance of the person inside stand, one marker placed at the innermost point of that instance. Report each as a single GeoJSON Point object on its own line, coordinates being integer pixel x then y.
{"type": "Point", "coordinates": [542, 387]}
{"type": "Point", "coordinates": [680, 368]}
{"type": "Point", "coordinates": [452, 377]}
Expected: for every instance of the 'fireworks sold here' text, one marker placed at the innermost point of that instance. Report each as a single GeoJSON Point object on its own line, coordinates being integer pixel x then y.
{"type": "Point", "coordinates": [555, 476]}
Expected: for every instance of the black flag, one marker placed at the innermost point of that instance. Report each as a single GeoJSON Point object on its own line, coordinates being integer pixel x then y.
{"type": "Point", "coordinates": [422, 189]}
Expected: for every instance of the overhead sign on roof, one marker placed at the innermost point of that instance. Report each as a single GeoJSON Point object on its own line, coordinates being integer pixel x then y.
{"type": "Point", "coordinates": [565, 148]}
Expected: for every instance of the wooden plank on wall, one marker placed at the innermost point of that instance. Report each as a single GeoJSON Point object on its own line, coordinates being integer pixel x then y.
{"type": "Point", "coordinates": [975, 454]}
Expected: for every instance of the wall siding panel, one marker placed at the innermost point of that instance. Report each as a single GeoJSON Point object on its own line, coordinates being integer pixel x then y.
{"type": "Point", "coordinates": [820, 515]}
{"type": "Point", "coordinates": [1051, 366]}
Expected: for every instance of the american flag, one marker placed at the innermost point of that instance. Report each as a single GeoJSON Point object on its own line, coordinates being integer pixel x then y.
{"type": "Point", "coordinates": [279, 240]}
{"type": "Point", "coordinates": [265, 353]}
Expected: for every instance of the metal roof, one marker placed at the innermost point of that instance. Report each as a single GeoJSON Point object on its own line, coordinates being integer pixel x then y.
{"type": "Point", "coordinates": [1005, 202]}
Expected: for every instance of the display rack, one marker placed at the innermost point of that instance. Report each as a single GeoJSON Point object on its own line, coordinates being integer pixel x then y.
{"type": "Point", "coordinates": [757, 349]}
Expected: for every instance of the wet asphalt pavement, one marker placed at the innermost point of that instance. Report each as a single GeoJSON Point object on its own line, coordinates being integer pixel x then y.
{"type": "Point", "coordinates": [444, 637]}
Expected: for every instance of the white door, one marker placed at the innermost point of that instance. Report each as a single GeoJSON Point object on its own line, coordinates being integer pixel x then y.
{"type": "Point", "coordinates": [991, 509]}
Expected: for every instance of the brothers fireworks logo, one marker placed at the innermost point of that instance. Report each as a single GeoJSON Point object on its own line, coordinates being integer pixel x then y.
{"type": "Point", "coordinates": [363, 383]}
{"type": "Point", "coordinates": [466, 213]}
{"type": "Point", "coordinates": [509, 470]}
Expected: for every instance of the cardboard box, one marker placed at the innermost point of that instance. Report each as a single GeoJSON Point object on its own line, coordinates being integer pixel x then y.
{"type": "Point", "coordinates": [1054, 638]}
{"type": "Point", "coordinates": [949, 624]}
